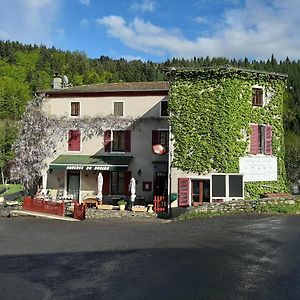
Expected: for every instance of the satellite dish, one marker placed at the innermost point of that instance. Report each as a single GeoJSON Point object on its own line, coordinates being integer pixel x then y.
{"type": "Point", "coordinates": [65, 80]}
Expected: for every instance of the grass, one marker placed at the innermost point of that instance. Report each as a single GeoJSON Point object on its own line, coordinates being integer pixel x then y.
{"type": "Point", "coordinates": [12, 188]}
{"type": "Point", "coordinates": [282, 208]}
{"type": "Point", "coordinates": [263, 207]}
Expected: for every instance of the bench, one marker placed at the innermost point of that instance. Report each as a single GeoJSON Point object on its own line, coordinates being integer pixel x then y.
{"type": "Point", "coordinates": [88, 202]}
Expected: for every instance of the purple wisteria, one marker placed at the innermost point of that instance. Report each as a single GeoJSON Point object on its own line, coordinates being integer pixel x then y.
{"type": "Point", "coordinates": [40, 133]}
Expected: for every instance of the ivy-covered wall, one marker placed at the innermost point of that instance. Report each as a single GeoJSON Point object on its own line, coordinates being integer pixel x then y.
{"type": "Point", "coordinates": [210, 115]}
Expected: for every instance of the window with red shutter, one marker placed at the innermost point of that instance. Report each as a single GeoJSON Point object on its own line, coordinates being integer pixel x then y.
{"type": "Point", "coordinates": [127, 140]}
{"type": "Point", "coordinates": [183, 191]}
{"type": "Point", "coordinates": [268, 140]}
{"type": "Point", "coordinates": [107, 141]}
{"type": "Point", "coordinates": [106, 182]}
{"type": "Point", "coordinates": [154, 137]}
{"type": "Point", "coordinates": [254, 139]}
{"type": "Point", "coordinates": [74, 140]}
{"type": "Point", "coordinates": [261, 139]}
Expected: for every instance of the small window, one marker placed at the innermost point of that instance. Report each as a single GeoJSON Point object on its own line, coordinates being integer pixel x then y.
{"type": "Point", "coordinates": [164, 109]}
{"type": "Point", "coordinates": [75, 109]}
{"type": "Point", "coordinates": [118, 109]}
{"type": "Point", "coordinates": [257, 96]}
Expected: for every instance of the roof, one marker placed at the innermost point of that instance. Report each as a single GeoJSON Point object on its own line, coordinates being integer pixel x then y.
{"type": "Point", "coordinates": [91, 162]}
{"type": "Point", "coordinates": [130, 87]}
{"type": "Point", "coordinates": [171, 70]}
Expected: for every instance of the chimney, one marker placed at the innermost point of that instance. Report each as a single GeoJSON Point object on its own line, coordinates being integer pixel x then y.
{"type": "Point", "coordinates": [57, 82]}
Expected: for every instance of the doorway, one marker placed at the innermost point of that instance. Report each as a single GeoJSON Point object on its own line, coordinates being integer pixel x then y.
{"type": "Point", "coordinates": [161, 184]}
{"type": "Point", "coordinates": [73, 186]}
{"type": "Point", "coordinates": [200, 191]}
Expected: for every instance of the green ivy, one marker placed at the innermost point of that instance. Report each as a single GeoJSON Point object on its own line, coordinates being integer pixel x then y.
{"type": "Point", "coordinates": [210, 115]}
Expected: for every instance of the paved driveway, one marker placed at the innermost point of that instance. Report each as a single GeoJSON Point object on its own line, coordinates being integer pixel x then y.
{"type": "Point", "coordinates": [249, 257]}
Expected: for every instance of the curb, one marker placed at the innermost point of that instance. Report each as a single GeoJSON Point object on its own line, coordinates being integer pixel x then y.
{"type": "Point", "coordinates": [42, 215]}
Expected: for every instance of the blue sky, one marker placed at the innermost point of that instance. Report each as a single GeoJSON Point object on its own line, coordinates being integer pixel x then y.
{"type": "Point", "coordinates": [157, 29]}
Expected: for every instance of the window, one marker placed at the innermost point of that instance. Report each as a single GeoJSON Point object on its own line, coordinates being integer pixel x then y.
{"type": "Point", "coordinates": [75, 109]}
{"type": "Point", "coordinates": [164, 109]}
{"type": "Point", "coordinates": [118, 109]}
{"type": "Point", "coordinates": [160, 137]}
{"type": "Point", "coordinates": [120, 183]}
{"type": "Point", "coordinates": [257, 96]}
{"type": "Point", "coordinates": [74, 140]}
{"type": "Point", "coordinates": [117, 183]}
{"type": "Point", "coordinates": [117, 141]}
{"type": "Point", "coordinates": [261, 139]}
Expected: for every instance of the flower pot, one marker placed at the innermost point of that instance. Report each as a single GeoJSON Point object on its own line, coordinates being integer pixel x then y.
{"type": "Point", "coordinates": [122, 207]}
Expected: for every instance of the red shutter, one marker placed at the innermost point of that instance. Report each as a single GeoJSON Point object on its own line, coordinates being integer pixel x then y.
{"type": "Point", "coordinates": [127, 140]}
{"type": "Point", "coordinates": [106, 181]}
{"type": "Point", "coordinates": [183, 191]}
{"type": "Point", "coordinates": [155, 134]}
{"type": "Point", "coordinates": [268, 139]}
{"type": "Point", "coordinates": [107, 140]}
{"type": "Point", "coordinates": [254, 139]}
{"type": "Point", "coordinates": [74, 140]}
{"type": "Point", "coordinates": [127, 178]}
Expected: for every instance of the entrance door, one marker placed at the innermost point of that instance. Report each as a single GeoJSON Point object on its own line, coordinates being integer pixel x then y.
{"type": "Point", "coordinates": [74, 184]}
{"type": "Point", "coordinates": [161, 184]}
{"type": "Point", "coordinates": [200, 191]}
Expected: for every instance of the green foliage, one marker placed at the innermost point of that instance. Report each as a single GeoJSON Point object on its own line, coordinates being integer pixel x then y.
{"type": "Point", "coordinates": [211, 112]}
{"type": "Point", "coordinates": [282, 208]}
{"type": "Point", "coordinates": [12, 188]}
{"type": "Point", "coordinates": [122, 202]}
{"type": "Point", "coordinates": [292, 162]}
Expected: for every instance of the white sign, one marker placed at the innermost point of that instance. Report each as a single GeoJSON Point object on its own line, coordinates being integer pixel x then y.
{"type": "Point", "coordinates": [259, 168]}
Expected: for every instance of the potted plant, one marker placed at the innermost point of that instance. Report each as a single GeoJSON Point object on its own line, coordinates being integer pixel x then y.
{"type": "Point", "coordinates": [122, 203]}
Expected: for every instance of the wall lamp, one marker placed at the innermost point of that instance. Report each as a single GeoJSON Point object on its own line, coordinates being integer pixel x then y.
{"type": "Point", "coordinates": [139, 172]}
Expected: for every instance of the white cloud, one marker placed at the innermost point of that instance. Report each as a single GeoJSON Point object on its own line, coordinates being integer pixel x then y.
{"type": "Point", "coordinates": [256, 30]}
{"type": "Point", "coordinates": [34, 20]}
{"type": "Point", "coordinates": [202, 20]}
{"type": "Point", "coordinates": [85, 2]}
{"type": "Point", "coordinates": [146, 5]}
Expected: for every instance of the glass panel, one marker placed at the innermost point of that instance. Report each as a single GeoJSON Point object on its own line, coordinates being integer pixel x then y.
{"type": "Point", "coordinates": [118, 143]}
{"type": "Point", "coordinates": [118, 108]}
{"type": "Point", "coordinates": [117, 183]}
{"type": "Point", "coordinates": [75, 108]}
{"type": "Point", "coordinates": [164, 108]}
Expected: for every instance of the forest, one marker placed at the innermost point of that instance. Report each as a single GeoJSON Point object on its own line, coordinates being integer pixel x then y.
{"type": "Point", "coordinates": [25, 69]}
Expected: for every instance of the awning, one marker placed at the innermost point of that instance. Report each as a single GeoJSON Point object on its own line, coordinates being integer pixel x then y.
{"type": "Point", "coordinates": [91, 163]}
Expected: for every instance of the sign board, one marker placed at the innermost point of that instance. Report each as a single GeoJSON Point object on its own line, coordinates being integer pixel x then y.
{"type": "Point", "coordinates": [258, 168]}
{"type": "Point", "coordinates": [89, 167]}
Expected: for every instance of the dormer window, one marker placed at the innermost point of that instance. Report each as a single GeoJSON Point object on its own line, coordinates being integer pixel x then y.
{"type": "Point", "coordinates": [257, 96]}
{"type": "Point", "coordinates": [75, 109]}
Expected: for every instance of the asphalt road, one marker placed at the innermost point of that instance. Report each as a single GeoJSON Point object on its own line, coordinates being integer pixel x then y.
{"type": "Point", "coordinates": [247, 257]}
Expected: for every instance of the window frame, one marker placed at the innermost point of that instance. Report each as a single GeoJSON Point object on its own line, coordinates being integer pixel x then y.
{"type": "Point", "coordinates": [79, 104]}
{"type": "Point", "coordinates": [262, 100]}
{"type": "Point", "coordinates": [123, 108]}
{"type": "Point", "coordinates": [113, 139]}
{"type": "Point", "coordinates": [161, 110]}
{"type": "Point", "coordinates": [261, 139]}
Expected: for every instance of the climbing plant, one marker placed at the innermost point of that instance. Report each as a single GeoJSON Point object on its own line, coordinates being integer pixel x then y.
{"type": "Point", "coordinates": [40, 134]}
{"type": "Point", "coordinates": [210, 115]}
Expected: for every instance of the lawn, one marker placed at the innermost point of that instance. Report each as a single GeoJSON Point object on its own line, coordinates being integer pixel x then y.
{"type": "Point", "coordinates": [11, 188]}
